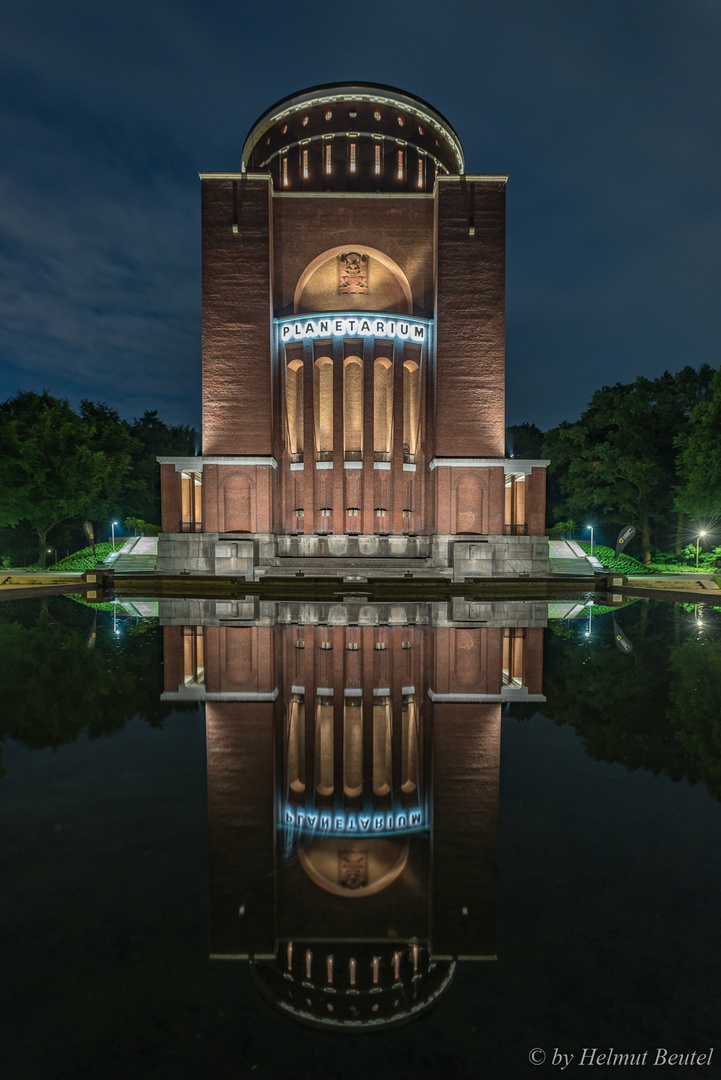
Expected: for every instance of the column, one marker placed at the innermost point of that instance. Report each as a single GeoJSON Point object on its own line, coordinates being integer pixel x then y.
{"type": "Point", "coordinates": [368, 446]}
{"type": "Point", "coordinates": [396, 507]}
{"type": "Point", "coordinates": [338, 440]}
{"type": "Point", "coordinates": [308, 486]}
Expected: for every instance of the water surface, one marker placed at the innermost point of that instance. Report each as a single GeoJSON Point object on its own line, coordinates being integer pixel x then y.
{"type": "Point", "coordinates": [602, 879]}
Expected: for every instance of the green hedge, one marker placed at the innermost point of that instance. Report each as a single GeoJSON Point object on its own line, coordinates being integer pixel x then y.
{"type": "Point", "coordinates": [83, 560]}
{"type": "Point", "coordinates": [623, 564]}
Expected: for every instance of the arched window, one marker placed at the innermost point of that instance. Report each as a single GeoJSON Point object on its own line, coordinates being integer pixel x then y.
{"type": "Point", "coordinates": [382, 745]}
{"type": "Point", "coordinates": [409, 758]}
{"type": "Point", "coordinates": [353, 747]}
{"type": "Point", "coordinates": [353, 409]}
{"type": "Point", "coordinates": [323, 408]}
{"type": "Point", "coordinates": [324, 746]}
{"type": "Point", "coordinates": [294, 408]}
{"type": "Point", "coordinates": [382, 409]}
{"type": "Point", "coordinates": [296, 744]}
{"type": "Point", "coordinates": [411, 410]}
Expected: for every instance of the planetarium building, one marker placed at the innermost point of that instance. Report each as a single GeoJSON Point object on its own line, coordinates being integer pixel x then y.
{"type": "Point", "coordinates": [353, 357]}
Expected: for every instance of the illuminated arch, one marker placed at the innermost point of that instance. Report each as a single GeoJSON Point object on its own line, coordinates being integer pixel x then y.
{"type": "Point", "coordinates": [331, 253]}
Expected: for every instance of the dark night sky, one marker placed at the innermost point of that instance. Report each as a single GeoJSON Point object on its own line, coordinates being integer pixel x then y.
{"type": "Point", "coordinates": [605, 116]}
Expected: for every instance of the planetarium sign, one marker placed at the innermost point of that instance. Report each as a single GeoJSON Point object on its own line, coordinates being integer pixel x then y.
{"type": "Point", "coordinates": [364, 324]}
{"type": "Point", "coordinates": [351, 824]}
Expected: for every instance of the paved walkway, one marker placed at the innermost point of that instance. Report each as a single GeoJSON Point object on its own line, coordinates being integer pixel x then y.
{"type": "Point", "coordinates": [139, 554]}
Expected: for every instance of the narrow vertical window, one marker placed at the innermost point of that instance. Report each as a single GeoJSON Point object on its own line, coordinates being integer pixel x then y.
{"type": "Point", "coordinates": [382, 745]}
{"type": "Point", "coordinates": [305, 164]}
{"type": "Point", "coordinates": [382, 409]}
{"type": "Point", "coordinates": [421, 171]}
{"type": "Point", "coordinates": [328, 159]}
{"type": "Point", "coordinates": [193, 662]}
{"type": "Point", "coordinates": [323, 408]}
{"type": "Point", "coordinates": [411, 410]}
{"type": "Point", "coordinates": [377, 158]}
{"type": "Point", "coordinates": [192, 502]}
{"type": "Point", "coordinates": [295, 752]}
{"type": "Point", "coordinates": [294, 408]}
{"type": "Point", "coordinates": [353, 747]}
{"type": "Point", "coordinates": [409, 744]}
{"type": "Point", "coordinates": [513, 656]}
{"type": "Point", "coordinates": [324, 746]}
{"type": "Point", "coordinates": [400, 164]}
{"type": "Point", "coordinates": [285, 172]}
{"type": "Point", "coordinates": [353, 409]}
{"type": "Point", "coordinates": [352, 157]}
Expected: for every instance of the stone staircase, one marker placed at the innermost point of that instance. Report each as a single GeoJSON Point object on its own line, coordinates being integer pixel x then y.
{"type": "Point", "coordinates": [353, 569]}
{"type": "Point", "coordinates": [566, 557]}
{"type": "Point", "coordinates": [137, 555]}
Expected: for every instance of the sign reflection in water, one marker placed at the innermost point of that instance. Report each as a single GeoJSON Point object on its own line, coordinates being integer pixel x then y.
{"type": "Point", "coordinates": [353, 762]}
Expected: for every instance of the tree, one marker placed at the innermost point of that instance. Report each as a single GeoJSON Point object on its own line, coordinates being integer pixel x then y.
{"type": "Point", "coordinates": [524, 441]}
{"type": "Point", "coordinates": [51, 470]}
{"type": "Point", "coordinates": [94, 688]}
{"type": "Point", "coordinates": [156, 439]}
{"type": "Point", "coordinates": [699, 463]}
{"type": "Point", "coordinates": [619, 458]}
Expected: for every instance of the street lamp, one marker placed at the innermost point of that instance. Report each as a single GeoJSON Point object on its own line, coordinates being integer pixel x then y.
{"type": "Point", "coordinates": [698, 539]}
{"type": "Point", "coordinates": [112, 526]}
{"type": "Point", "coordinates": [591, 528]}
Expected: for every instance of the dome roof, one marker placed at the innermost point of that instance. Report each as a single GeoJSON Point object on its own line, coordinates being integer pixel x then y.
{"type": "Point", "coordinates": [406, 130]}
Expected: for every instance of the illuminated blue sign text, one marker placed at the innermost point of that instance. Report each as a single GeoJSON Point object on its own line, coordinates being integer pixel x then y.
{"type": "Point", "coordinates": [325, 822]}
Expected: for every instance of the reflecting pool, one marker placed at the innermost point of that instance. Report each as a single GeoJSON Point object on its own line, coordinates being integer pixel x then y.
{"type": "Point", "coordinates": [237, 834]}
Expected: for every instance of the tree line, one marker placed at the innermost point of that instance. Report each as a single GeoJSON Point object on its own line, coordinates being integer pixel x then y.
{"type": "Point", "coordinates": [59, 467]}
{"type": "Point", "coordinates": [645, 453]}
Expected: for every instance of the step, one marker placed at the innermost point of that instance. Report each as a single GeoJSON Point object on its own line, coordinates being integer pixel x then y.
{"type": "Point", "coordinates": [350, 574]}
{"type": "Point", "coordinates": [349, 564]}
{"type": "Point", "coordinates": [579, 567]}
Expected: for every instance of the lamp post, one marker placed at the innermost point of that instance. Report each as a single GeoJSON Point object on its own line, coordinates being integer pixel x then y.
{"type": "Point", "coordinates": [590, 616]}
{"type": "Point", "coordinates": [591, 528]}
{"type": "Point", "coordinates": [112, 526]}
{"type": "Point", "coordinates": [698, 539]}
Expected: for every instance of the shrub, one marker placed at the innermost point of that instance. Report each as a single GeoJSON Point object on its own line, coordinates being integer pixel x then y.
{"type": "Point", "coordinates": [142, 526]}
{"type": "Point", "coordinates": [621, 564]}
{"type": "Point", "coordinates": [561, 530]}
{"type": "Point", "coordinates": [84, 560]}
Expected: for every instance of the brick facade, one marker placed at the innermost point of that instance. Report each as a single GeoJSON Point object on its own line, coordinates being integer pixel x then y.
{"type": "Point", "coordinates": [389, 423]}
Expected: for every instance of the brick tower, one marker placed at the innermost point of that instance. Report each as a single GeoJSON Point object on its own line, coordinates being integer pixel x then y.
{"type": "Point", "coordinates": [353, 357]}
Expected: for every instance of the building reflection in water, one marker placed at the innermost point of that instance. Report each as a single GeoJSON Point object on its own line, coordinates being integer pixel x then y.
{"type": "Point", "coordinates": [353, 765]}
